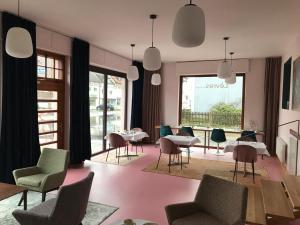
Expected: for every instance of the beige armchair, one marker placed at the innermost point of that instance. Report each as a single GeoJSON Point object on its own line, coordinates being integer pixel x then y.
{"type": "Point", "coordinates": [47, 175]}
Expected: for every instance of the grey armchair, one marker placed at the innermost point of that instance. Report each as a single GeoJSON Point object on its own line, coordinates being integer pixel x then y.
{"type": "Point", "coordinates": [68, 208]}
{"type": "Point", "coordinates": [217, 202]}
{"type": "Point", "coordinates": [47, 175]}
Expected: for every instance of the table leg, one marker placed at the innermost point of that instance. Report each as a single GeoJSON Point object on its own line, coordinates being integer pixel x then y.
{"type": "Point", "coordinates": [25, 199]}
{"type": "Point", "coordinates": [208, 139]}
{"type": "Point", "coordinates": [205, 142]}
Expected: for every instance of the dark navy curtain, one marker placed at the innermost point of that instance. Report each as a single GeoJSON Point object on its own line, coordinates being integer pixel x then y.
{"type": "Point", "coordinates": [137, 98]}
{"type": "Point", "coordinates": [80, 137]}
{"type": "Point", "coordinates": [19, 143]}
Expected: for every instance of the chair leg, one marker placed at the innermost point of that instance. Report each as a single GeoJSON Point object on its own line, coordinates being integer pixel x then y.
{"type": "Point", "coordinates": [158, 160]}
{"type": "Point", "coordinates": [180, 160]}
{"type": "Point", "coordinates": [142, 148]}
{"type": "Point", "coordinates": [169, 163]}
{"type": "Point", "coordinates": [119, 156]}
{"type": "Point", "coordinates": [234, 172]}
{"type": "Point", "coordinates": [237, 168]}
{"type": "Point", "coordinates": [107, 155]}
{"type": "Point", "coordinates": [21, 200]}
{"type": "Point", "coordinates": [253, 174]}
{"type": "Point", "coordinates": [136, 149]}
{"type": "Point", "coordinates": [44, 196]}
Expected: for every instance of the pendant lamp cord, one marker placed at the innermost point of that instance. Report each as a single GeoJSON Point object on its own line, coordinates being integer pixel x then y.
{"type": "Point", "coordinates": [191, 2]}
{"type": "Point", "coordinates": [18, 7]}
{"type": "Point", "coordinates": [225, 50]}
{"type": "Point", "coordinates": [132, 55]}
{"type": "Point", "coordinates": [152, 30]}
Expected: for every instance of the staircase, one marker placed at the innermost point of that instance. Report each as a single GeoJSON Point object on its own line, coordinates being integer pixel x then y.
{"type": "Point", "coordinates": [274, 202]}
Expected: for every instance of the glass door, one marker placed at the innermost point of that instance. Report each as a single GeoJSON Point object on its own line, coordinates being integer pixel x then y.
{"type": "Point", "coordinates": [97, 105]}
{"type": "Point", "coordinates": [108, 101]}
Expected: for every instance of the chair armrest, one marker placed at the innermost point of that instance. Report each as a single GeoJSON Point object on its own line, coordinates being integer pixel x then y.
{"type": "Point", "coordinates": [25, 172]}
{"type": "Point", "coordinates": [53, 181]}
{"type": "Point", "coordinates": [180, 210]}
{"type": "Point", "coordinates": [29, 218]}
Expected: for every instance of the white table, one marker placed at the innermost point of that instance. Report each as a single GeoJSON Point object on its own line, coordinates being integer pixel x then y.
{"type": "Point", "coordinates": [136, 221]}
{"type": "Point", "coordinates": [260, 147]}
{"type": "Point", "coordinates": [187, 141]}
{"type": "Point", "coordinates": [184, 141]}
{"type": "Point", "coordinates": [134, 136]}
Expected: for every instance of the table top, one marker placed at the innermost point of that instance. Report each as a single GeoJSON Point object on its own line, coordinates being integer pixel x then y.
{"type": "Point", "coordinates": [259, 146]}
{"type": "Point", "coordinates": [183, 140]}
{"type": "Point", "coordinates": [132, 136]}
{"type": "Point", "coordinates": [136, 221]}
{"type": "Point", "coordinates": [8, 190]}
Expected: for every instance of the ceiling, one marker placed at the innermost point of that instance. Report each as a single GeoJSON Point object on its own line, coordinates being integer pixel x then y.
{"type": "Point", "coordinates": [258, 28]}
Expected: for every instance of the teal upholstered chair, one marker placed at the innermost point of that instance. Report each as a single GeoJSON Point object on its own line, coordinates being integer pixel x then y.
{"type": "Point", "coordinates": [47, 175]}
{"type": "Point", "coordinates": [186, 131]}
{"type": "Point", "coordinates": [218, 136]}
{"type": "Point", "coordinates": [165, 130]}
{"type": "Point", "coordinates": [249, 134]}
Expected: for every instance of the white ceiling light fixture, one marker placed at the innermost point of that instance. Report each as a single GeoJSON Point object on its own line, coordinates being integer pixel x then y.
{"type": "Point", "coordinates": [224, 70]}
{"type": "Point", "coordinates": [232, 78]}
{"type": "Point", "coordinates": [132, 73]}
{"type": "Point", "coordinates": [156, 79]}
{"type": "Point", "coordinates": [189, 26]}
{"type": "Point", "coordinates": [18, 42]}
{"type": "Point", "coordinates": [152, 58]}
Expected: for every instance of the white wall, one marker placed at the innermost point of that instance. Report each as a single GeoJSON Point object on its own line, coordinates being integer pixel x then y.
{"type": "Point", "coordinates": [254, 88]}
{"type": "Point", "coordinates": [58, 43]}
{"type": "Point", "coordinates": [292, 50]}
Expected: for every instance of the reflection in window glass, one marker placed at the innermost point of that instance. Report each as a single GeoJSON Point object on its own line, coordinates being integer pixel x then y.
{"type": "Point", "coordinates": [47, 106]}
{"type": "Point", "coordinates": [47, 127]}
{"type": "Point", "coordinates": [50, 62]}
{"type": "Point", "coordinates": [41, 71]}
{"type": "Point", "coordinates": [41, 60]}
{"type": "Point", "coordinates": [47, 95]}
{"type": "Point", "coordinates": [43, 117]}
{"type": "Point", "coordinates": [54, 145]}
{"type": "Point", "coordinates": [46, 138]}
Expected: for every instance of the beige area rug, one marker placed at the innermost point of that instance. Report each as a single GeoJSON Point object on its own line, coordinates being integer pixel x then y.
{"type": "Point", "coordinates": [113, 160]}
{"type": "Point", "coordinates": [198, 167]}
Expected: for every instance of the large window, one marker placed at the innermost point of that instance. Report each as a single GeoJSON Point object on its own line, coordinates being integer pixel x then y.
{"type": "Point", "coordinates": [108, 101]}
{"type": "Point", "coordinates": [207, 101]}
{"type": "Point", "coordinates": [50, 72]}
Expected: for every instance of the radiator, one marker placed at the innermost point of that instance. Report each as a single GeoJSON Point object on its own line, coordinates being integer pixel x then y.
{"type": "Point", "coordinates": [281, 150]}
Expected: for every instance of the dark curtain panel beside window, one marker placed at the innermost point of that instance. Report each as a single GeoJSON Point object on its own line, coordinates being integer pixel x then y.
{"type": "Point", "coordinates": [272, 89]}
{"type": "Point", "coordinates": [151, 107]}
{"type": "Point", "coordinates": [80, 137]}
{"type": "Point", "coordinates": [137, 98]}
{"type": "Point", "coordinates": [19, 144]}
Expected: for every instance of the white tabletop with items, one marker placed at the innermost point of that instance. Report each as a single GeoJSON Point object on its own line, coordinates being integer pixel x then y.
{"type": "Point", "coordinates": [183, 140]}
{"type": "Point", "coordinates": [132, 135]}
{"type": "Point", "coordinates": [260, 147]}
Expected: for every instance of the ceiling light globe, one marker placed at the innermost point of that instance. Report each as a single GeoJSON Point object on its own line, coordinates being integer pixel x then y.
{"type": "Point", "coordinates": [132, 73]}
{"type": "Point", "coordinates": [156, 79]}
{"type": "Point", "coordinates": [152, 59]}
{"type": "Point", "coordinates": [189, 26]}
{"type": "Point", "coordinates": [231, 79]}
{"type": "Point", "coordinates": [18, 43]}
{"type": "Point", "coordinates": [224, 70]}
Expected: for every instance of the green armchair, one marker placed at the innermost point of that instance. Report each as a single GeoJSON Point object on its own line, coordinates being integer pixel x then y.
{"type": "Point", "coordinates": [47, 175]}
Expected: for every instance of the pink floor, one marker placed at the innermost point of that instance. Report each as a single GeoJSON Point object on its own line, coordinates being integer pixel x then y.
{"type": "Point", "coordinates": [144, 195]}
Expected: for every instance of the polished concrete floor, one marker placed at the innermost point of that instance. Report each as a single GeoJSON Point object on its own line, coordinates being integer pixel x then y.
{"type": "Point", "coordinates": [144, 195]}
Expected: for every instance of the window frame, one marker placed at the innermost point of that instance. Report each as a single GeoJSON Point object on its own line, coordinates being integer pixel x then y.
{"type": "Point", "coordinates": [58, 85]}
{"type": "Point", "coordinates": [211, 75]}
{"type": "Point", "coordinates": [106, 73]}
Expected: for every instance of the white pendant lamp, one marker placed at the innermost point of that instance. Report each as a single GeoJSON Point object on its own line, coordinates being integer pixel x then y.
{"type": "Point", "coordinates": [156, 79]}
{"type": "Point", "coordinates": [189, 26]}
{"type": "Point", "coordinates": [224, 70]}
{"type": "Point", "coordinates": [232, 78]}
{"type": "Point", "coordinates": [152, 58]}
{"type": "Point", "coordinates": [18, 42]}
{"type": "Point", "coordinates": [132, 73]}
